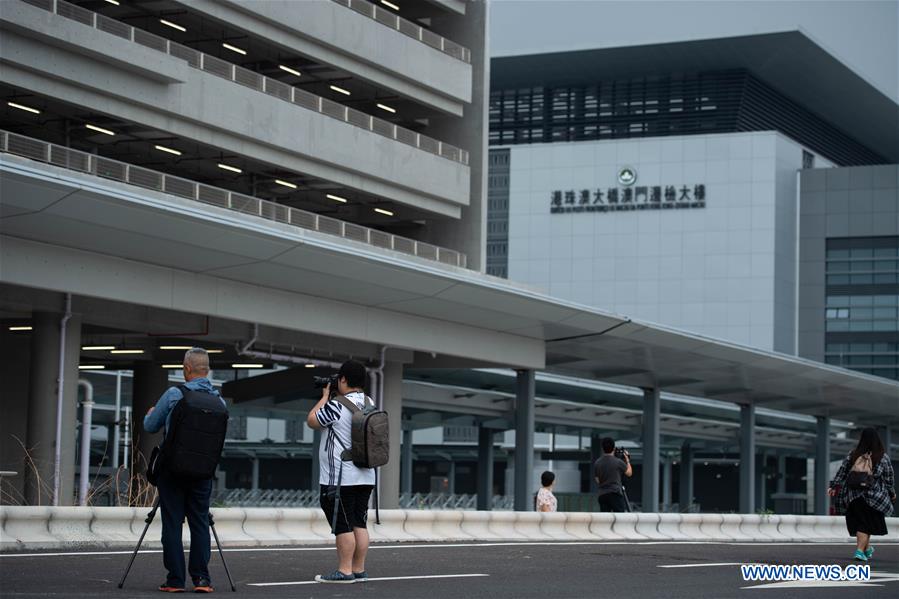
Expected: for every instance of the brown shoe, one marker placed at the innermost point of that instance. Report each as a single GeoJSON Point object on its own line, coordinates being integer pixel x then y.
{"type": "Point", "coordinates": [166, 588]}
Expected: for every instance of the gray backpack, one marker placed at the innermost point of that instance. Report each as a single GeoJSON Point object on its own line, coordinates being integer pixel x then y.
{"type": "Point", "coordinates": [370, 435]}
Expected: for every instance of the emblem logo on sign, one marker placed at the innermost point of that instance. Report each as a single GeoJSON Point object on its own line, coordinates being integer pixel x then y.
{"type": "Point", "coordinates": [627, 175]}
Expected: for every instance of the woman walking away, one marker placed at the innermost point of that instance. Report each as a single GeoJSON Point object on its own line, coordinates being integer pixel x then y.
{"type": "Point", "coordinates": [864, 490]}
{"type": "Point", "coordinates": [546, 501]}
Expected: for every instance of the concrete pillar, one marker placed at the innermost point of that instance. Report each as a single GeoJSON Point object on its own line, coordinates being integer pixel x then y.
{"type": "Point", "coordinates": [42, 409]}
{"type": "Point", "coordinates": [761, 486]}
{"type": "Point", "coordinates": [15, 364]}
{"type": "Point", "coordinates": [747, 458]}
{"type": "Point", "coordinates": [254, 477]}
{"type": "Point", "coordinates": [651, 445]}
{"type": "Point", "coordinates": [389, 490]}
{"type": "Point", "coordinates": [685, 493]}
{"type": "Point", "coordinates": [886, 435]}
{"type": "Point", "coordinates": [451, 478]}
{"type": "Point", "coordinates": [406, 466]}
{"type": "Point", "coordinates": [781, 473]}
{"type": "Point", "coordinates": [595, 454]}
{"type": "Point", "coordinates": [150, 381]}
{"type": "Point", "coordinates": [485, 468]}
{"type": "Point", "coordinates": [822, 465]}
{"type": "Point", "coordinates": [524, 440]}
{"type": "Point", "coordinates": [666, 481]}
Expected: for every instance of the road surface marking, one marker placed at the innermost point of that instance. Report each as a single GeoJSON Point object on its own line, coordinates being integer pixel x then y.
{"type": "Point", "coordinates": [425, 577]}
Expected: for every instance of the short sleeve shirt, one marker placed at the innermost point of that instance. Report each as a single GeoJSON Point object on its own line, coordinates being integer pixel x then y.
{"type": "Point", "coordinates": [336, 422]}
{"type": "Point", "coordinates": [546, 497]}
{"type": "Point", "coordinates": [609, 470]}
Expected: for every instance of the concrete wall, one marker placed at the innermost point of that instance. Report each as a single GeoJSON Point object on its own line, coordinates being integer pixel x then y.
{"type": "Point", "coordinates": [726, 270]}
{"type": "Point", "coordinates": [221, 113]}
{"type": "Point", "coordinates": [858, 201]}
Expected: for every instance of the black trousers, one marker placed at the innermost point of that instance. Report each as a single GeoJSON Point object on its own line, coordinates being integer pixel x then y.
{"type": "Point", "coordinates": [179, 498]}
{"type": "Point", "coordinates": [612, 502]}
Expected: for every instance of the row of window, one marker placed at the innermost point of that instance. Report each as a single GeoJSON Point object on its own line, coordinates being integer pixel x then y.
{"type": "Point", "coordinates": [879, 347]}
{"type": "Point", "coordinates": [861, 326]}
{"type": "Point", "coordinates": [860, 313]}
{"type": "Point", "coordinates": [877, 265]}
{"type": "Point", "coordinates": [862, 253]}
{"type": "Point", "coordinates": [862, 301]}
{"type": "Point", "coordinates": [864, 279]}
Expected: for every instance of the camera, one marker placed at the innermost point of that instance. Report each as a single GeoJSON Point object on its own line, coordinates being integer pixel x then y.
{"type": "Point", "coordinates": [620, 453]}
{"type": "Point", "coordinates": [320, 382]}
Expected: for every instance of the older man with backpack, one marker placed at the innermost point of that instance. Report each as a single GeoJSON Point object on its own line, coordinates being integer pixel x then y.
{"type": "Point", "coordinates": [349, 454]}
{"type": "Point", "coordinates": [195, 418]}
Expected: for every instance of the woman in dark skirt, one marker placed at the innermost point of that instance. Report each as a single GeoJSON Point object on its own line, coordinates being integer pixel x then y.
{"type": "Point", "coordinates": [866, 509]}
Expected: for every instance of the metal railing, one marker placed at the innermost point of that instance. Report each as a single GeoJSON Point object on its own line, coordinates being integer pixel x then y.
{"type": "Point", "coordinates": [108, 168]}
{"type": "Point", "coordinates": [304, 498]}
{"type": "Point", "coordinates": [406, 27]}
{"type": "Point", "coordinates": [261, 83]}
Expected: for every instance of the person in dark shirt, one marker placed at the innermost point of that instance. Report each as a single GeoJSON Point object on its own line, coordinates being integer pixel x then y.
{"type": "Point", "coordinates": [607, 472]}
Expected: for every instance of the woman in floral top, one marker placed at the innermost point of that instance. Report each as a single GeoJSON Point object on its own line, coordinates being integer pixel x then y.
{"type": "Point", "coordinates": [866, 509]}
{"type": "Point", "coordinates": [546, 501]}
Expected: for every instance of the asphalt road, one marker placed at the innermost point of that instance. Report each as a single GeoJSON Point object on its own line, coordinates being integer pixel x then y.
{"type": "Point", "coordinates": [454, 571]}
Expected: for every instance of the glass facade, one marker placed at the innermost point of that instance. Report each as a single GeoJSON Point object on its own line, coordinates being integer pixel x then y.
{"type": "Point", "coordinates": [498, 214]}
{"type": "Point", "coordinates": [725, 101]}
{"type": "Point", "coordinates": [862, 306]}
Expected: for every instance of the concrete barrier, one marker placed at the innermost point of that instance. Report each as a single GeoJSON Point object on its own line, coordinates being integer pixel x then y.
{"type": "Point", "coordinates": [28, 528]}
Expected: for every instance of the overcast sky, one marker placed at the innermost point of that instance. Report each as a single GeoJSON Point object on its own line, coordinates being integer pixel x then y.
{"type": "Point", "coordinates": [862, 34]}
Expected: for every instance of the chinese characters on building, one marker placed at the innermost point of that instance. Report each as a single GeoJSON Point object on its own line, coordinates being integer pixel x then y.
{"type": "Point", "coordinates": [613, 199]}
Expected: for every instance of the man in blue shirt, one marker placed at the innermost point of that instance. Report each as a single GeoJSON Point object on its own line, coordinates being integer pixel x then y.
{"type": "Point", "coordinates": [178, 497]}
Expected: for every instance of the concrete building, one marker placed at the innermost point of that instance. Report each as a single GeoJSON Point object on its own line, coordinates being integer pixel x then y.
{"type": "Point", "coordinates": [664, 181]}
{"type": "Point", "coordinates": [293, 184]}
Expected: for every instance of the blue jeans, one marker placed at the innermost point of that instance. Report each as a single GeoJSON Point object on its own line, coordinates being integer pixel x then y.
{"type": "Point", "coordinates": [179, 498]}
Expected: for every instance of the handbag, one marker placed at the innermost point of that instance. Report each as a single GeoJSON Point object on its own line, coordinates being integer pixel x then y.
{"type": "Point", "coordinates": [862, 474]}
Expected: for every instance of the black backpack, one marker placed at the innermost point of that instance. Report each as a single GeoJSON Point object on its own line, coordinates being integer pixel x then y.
{"type": "Point", "coordinates": [193, 443]}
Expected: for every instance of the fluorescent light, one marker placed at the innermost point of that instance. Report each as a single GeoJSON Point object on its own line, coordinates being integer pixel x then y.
{"type": "Point", "coordinates": [234, 49]}
{"type": "Point", "coordinates": [100, 130]}
{"type": "Point", "coordinates": [215, 351]}
{"type": "Point", "coordinates": [248, 366]}
{"type": "Point", "coordinates": [184, 347]}
{"type": "Point", "coordinates": [126, 351]}
{"type": "Point", "coordinates": [387, 108]}
{"type": "Point", "coordinates": [390, 4]}
{"type": "Point", "coordinates": [22, 328]}
{"type": "Point", "coordinates": [97, 347]}
{"type": "Point", "coordinates": [23, 107]}
{"type": "Point", "coordinates": [173, 365]}
{"type": "Point", "coordinates": [289, 70]}
{"type": "Point", "coordinates": [116, 2]}
{"type": "Point", "coordinates": [340, 90]}
{"type": "Point", "coordinates": [384, 212]}
{"type": "Point", "coordinates": [91, 367]}
{"type": "Point", "coordinates": [285, 183]}
{"type": "Point", "coordinates": [331, 196]}
{"type": "Point", "coordinates": [173, 25]}
{"type": "Point", "coordinates": [233, 169]}
{"type": "Point", "coordinates": [168, 150]}
{"type": "Point", "coordinates": [310, 366]}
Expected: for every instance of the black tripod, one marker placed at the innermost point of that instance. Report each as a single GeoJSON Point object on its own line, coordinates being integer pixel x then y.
{"type": "Point", "coordinates": [149, 520]}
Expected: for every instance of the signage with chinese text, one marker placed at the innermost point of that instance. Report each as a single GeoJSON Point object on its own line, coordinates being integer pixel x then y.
{"type": "Point", "coordinates": [614, 199]}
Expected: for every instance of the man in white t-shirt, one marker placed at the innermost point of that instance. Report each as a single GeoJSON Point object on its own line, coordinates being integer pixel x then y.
{"type": "Point", "coordinates": [356, 484]}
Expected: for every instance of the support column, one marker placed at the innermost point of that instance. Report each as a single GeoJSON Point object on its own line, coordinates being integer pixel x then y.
{"type": "Point", "coordinates": [254, 477]}
{"type": "Point", "coordinates": [781, 473]}
{"type": "Point", "coordinates": [42, 409]}
{"type": "Point", "coordinates": [761, 485]}
{"type": "Point", "coordinates": [524, 440]}
{"type": "Point", "coordinates": [485, 468]}
{"type": "Point", "coordinates": [886, 435]}
{"type": "Point", "coordinates": [406, 465]}
{"type": "Point", "coordinates": [747, 458]}
{"type": "Point", "coordinates": [685, 493]}
{"type": "Point", "coordinates": [389, 491]}
{"type": "Point", "coordinates": [451, 478]}
{"type": "Point", "coordinates": [666, 482]}
{"type": "Point", "coordinates": [149, 383]}
{"type": "Point", "coordinates": [651, 445]}
{"type": "Point", "coordinates": [822, 465]}
{"type": "Point", "coordinates": [595, 454]}
{"type": "Point", "coordinates": [316, 463]}
{"type": "Point", "coordinates": [15, 365]}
